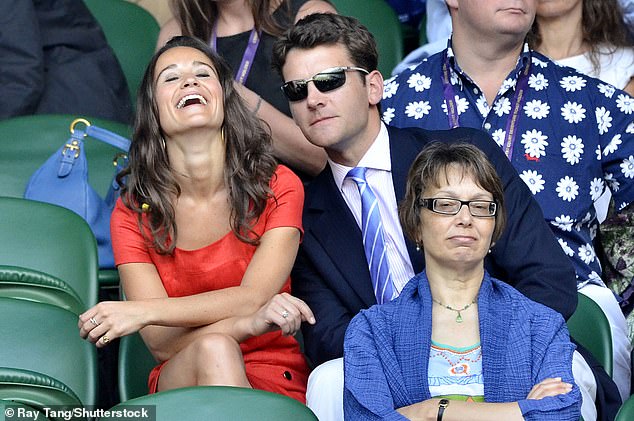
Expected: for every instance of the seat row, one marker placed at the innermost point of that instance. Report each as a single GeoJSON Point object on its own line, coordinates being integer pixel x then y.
{"type": "Point", "coordinates": [48, 275]}
{"type": "Point", "coordinates": [45, 364]}
{"type": "Point", "coordinates": [48, 253]}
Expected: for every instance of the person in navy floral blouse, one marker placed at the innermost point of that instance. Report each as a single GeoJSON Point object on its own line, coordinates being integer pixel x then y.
{"type": "Point", "coordinates": [568, 135]}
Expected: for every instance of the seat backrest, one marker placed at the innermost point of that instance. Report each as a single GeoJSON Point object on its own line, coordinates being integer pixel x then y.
{"type": "Point", "coordinates": [135, 364]}
{"type": "Point", "coordinates": [35, 389]}
{"type": "Point", "coordinates": [591, 328]}
{"type": "Point", "coordinates": [50, 239]}
{"type": "Point", "coordinates": [10, 409]}
{"type": "Point", "coordinates": [27, 142]}
{"type": "Point", "coordinates": [626, 412]}
{"type": "Point", "coordinates": [32, 285]}
{"type": "Point", "coordinates": [43, 338]}
{"type": "Point", "coordinates": [132, 33]}
{"type": "Point", "coordinates": [221, 403]}
{"type": "Point", "coordinates": [383, 23]}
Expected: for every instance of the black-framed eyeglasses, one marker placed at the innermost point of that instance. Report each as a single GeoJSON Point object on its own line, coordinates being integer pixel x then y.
{"type": "Point", "coordinates": [447, 206]}
{"type": "Point", "coordinates": [326, 80]}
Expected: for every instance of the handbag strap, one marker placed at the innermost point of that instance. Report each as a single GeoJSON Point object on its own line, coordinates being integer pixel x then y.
{"type": "Point", "coordinates": [109, 137]}
{"type": "Point", "coordinates": [71, 150]}
{"type": "Point", "coordinates": [102, 134]}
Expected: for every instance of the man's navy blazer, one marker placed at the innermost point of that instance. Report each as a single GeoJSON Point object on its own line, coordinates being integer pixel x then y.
{"type": "Point", "coordinates": [331, 272]}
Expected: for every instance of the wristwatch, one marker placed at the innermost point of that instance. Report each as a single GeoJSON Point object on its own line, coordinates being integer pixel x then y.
{"type": "Point", "coordinates": [442, 405]}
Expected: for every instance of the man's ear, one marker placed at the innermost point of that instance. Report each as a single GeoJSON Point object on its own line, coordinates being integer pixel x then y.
{"type": "Point", "coordinates": [375, 87]}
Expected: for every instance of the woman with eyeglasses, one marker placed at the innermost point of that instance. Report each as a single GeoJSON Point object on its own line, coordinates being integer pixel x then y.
{"type": "Point", "coordinates": [457, 344]}
{"type": "Point", "coordinates": [205, 235]}
{"type": "Point", "coordinates": [243, 33]}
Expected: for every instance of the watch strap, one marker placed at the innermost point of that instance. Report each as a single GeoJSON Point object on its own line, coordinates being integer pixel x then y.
{"type": "Point", "coordinates": [442, 405]}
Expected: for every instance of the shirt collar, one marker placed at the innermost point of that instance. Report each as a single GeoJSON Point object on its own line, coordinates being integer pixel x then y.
{"type": "Point", "coordinates": [522, 61]}
{"type": "Point", "coordinates": [377, 157]}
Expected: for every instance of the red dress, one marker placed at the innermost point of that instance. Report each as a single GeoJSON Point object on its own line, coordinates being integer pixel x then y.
{"type": "Point", "coordinates": [273, 362]}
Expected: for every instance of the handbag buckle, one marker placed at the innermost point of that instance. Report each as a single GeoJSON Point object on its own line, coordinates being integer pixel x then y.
{"type": "Point", "coordinates": [73, 146]}
{"type": "Point", "coordinates": [119, 156]}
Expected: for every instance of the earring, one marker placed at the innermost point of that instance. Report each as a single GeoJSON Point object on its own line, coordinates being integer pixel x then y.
{"type": "Point", "coordinates": [417, 247]}
{"type": "Point", "coordinates": [163, 142]}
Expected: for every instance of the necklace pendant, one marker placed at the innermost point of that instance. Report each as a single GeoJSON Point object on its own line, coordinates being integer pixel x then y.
{"type": "Point", "coordinates": [459, 318]}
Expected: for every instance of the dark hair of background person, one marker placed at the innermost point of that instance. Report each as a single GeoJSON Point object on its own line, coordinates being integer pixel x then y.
{"type": "Point", "coordinates": [602, 25]}
{"type": "Point", "coordinates": [431, 164]}
{"type": "Point", "coordinates": [328, 29]}
{"type": "Point", "coordinates": [197, 17]}
{"type": "Point", "coordinates": [249, 163]}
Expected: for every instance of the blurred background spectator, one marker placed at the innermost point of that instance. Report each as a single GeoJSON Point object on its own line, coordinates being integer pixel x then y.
{"type": "Point", "coordinates": [55, 59]}
{"type": "Point", "coordinates": [230, 28]}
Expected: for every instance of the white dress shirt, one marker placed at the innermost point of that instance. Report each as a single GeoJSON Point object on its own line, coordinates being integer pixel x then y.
{"type": "Point", "coordinates": [379, 178]}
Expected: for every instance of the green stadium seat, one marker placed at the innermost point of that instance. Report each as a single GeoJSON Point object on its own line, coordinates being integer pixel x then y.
{"type": "Point", "coordinates": [32, 285]}
{"type": "Point", "coordinates": [589, 326]}
{"type": "Point", "coordinates": [50, 239]}
{"type": "Point", "coordinates": [135, 364]}
{"type": "Point", "coordinates": [382, 21]}
{"type": "Point", "coordinates": [132, 33]}
{"type": "Point", "coordinates": [42, 358]}
{"type": "Point", "coordinates": [219, 403]}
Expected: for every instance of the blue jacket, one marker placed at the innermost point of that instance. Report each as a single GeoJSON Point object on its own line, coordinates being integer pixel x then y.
{"type": "Point", "coordinates": [386, 353]}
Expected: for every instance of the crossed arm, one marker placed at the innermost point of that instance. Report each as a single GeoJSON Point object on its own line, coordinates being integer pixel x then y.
{"type": "Point", "coordinates": [378, 383]}
{"type": "Point", "coordinates": [169, 324]}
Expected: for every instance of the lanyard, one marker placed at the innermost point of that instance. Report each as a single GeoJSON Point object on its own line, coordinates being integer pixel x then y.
{"type": "Point", "coordinates": [512, 123]}
{"type": "Point", "coordinates": [247, 57]}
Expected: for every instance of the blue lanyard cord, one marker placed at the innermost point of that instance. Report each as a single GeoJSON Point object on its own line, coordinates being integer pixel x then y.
{"type": "Point", "coordinates": [512, 122]}
{"type": "Point", "coordinates": [247, 57]}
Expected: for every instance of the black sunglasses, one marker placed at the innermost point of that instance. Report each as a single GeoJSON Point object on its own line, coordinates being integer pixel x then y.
{"type": "Point", "coordinates": [327, 80]}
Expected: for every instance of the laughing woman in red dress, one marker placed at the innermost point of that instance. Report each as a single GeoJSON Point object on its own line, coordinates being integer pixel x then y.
{"type": "Point", "coordinates": [205, 235]}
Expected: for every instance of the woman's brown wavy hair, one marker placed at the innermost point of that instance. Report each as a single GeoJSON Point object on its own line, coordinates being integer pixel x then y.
{"type": "Point", "coordinates": [197, 17]}
{"type": "Point", "coordinates": [148, 179]}
{"type": "Point", "coordinates": [602, 25]}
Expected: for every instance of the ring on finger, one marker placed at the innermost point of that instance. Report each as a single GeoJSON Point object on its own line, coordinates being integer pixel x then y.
{"type": "Point", "coordinates": [285, 314]}
{"type": "Point", "coordinates": [105, 339]}
{"type": "Point", "coordinates": [94, 321]}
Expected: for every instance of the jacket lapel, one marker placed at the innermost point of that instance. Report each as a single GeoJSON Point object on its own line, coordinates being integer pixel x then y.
{"type": "Point", "coordinates": [329, 221]}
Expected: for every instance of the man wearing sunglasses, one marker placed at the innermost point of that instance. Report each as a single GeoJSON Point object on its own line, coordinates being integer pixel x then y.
{"type": "Point", "coordinates": [329, 64]}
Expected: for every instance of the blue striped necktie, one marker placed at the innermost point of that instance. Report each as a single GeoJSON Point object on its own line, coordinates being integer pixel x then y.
{"type": "Point", "coordinates": [373, 238]}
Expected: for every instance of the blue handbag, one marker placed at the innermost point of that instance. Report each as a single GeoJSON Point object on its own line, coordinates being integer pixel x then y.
{"type": "Point", "coordinates": [63, 180]}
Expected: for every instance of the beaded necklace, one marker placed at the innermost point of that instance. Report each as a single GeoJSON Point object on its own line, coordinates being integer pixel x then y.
{"type": "Point", "coordinates": [459, 316]}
